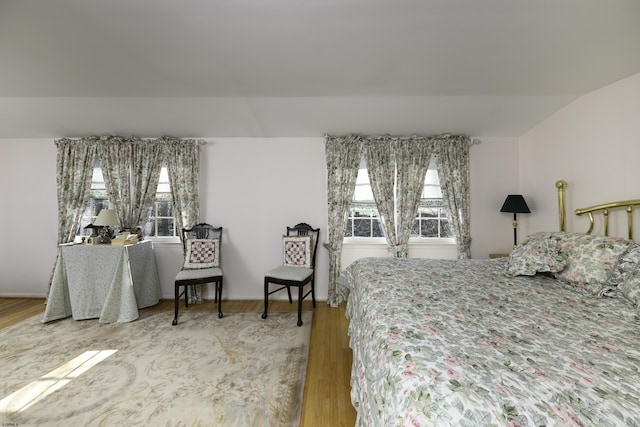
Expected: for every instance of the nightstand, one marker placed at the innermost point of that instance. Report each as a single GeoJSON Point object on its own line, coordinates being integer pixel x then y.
{"type": "Point", "coordinates": [498, 255]}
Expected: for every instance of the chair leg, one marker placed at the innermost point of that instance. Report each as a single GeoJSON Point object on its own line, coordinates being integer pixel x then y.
{"type": "Point", "coordinates": [219, 297]}
{"type": "Point", "coordinates": [313, 291]}
{"type": "Point", "coordinates": [300, 290]}
{"type": "Point", "coordinates": [266, 298]}
{"type": "Point", "coordinates": [176, 302]}
{"type": "Point", "coordinates": [289, 292]}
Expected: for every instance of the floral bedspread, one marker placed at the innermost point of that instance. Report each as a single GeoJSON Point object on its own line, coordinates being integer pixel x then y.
{"type": "Point", "coordinates": [456, 342]}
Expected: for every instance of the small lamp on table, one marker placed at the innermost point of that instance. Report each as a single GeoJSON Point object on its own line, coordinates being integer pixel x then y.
{"type": "Point", "coordinates": [106, 219]}
{"type": "Point", "coordinates": [515, 204]}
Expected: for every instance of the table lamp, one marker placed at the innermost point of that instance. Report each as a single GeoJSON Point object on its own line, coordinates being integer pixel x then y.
{"type": "Point", "coordinates": [106, 218]}
{"type": "Point", "coordinates": [515, 204]}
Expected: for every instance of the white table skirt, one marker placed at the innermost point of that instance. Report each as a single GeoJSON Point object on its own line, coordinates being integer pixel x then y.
{"type": "Point", "coordinates": [103, 281]}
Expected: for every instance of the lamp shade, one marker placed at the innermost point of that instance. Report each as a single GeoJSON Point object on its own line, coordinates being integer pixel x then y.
{"type": "Point", "coordinates": [515, 203]}
{"type": "Point", "coordinates": [106, 218]}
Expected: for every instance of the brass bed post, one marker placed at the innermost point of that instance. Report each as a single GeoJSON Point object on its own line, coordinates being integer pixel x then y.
{"type": "Point", "coordinates": [562, 210]}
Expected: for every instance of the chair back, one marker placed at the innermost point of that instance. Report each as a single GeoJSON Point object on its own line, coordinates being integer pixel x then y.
{"type": "Point", "coordinates": [304, 229]}
{"type": "Point", "coordinates": [200, 231]}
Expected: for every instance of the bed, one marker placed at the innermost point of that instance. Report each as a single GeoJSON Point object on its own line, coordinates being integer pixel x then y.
{"type": "Point", "coordinates": [547, 336]}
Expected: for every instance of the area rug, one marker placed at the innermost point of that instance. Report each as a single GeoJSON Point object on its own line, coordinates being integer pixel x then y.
{"type": "Point", "coordinates": [240, 370]}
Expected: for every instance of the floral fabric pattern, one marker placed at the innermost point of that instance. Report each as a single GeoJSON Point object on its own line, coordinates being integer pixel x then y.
{"type": "Point", "coordinates": [590, 258]}
{"type": "Point", "coordinates": [343, 158]}
{"type": "Point", "coordinates": [456, 342]}
{"type": "Point", "coordinates": [538, 253]}
{"type": "Point", "coordinates": [453, 171]}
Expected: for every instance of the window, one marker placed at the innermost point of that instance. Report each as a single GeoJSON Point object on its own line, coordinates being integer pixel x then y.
{"type": "Point", "coordinates": [98, 201]}
{"type": "Point", "coordinates": [161, 222]}
{"type": "Point", "coordinates": [364, 220]}
{"type": "Point", "coordinates": [431, 220]}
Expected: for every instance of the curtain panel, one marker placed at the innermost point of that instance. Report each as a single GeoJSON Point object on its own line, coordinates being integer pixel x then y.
{"type": "Point", "coordinates": [183, 159]}
{"type": "Point", "coordinates": [343, 155]}
{"type": "Point", "coordinates": [412, 162]}
{"type": "Point", "coordinates": [453, 171]}
{"type": "Point", "coordinates": [131, 169]}
{"type": "Point", "coordinates": [74, 168]}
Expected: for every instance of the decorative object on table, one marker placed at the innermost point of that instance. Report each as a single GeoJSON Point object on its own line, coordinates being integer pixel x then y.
{"type": "Point", "coordinates": [240, 372]}
{"type": "Point", "coordinates": [94, 232]}
{"type": "Point", "coordinates": [515, 204]}
{"type": "Point", "coordinates": [105, 222]}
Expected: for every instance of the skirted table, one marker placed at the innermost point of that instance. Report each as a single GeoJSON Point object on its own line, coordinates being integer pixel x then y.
{"type": "Point", "coordinates": [107, 282]}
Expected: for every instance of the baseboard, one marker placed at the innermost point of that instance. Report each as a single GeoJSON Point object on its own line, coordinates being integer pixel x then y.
{"type": "Point", "coordinates": [40, 296]}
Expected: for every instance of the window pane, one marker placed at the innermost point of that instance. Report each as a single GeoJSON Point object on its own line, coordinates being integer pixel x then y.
{"type": "Point", "coordinates": [429, 227]}
{"type": "Point", "coordinates": [164, 208]}
{"type": "Point", "coordinates": [165, 227]}
{"type": "Point", "coordinates": [349, 230]}
{"type": "Point", "coordinates": [377, 228]}
{"type": "Point", "coordinates": [362, 227]}
{"type": "Point", "coordinates": [363, 193]}
{"type": "Point", "coordinates": [446, 230]}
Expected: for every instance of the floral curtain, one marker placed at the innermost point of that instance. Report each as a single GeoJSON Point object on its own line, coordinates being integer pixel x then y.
{"type": "Point", "coordinates": [453, 171]}
{"type": "Point", "coordinates": [380, 155]}
{"type": "Point", "coordinates": [343, 159]}
{"type": "Point", "coordinates": [183, 158]}
{"type": "Point", "coordinates": [131, 169]}
{"type": "Point", "coordinates": [397, 167]}
{"type": "Point", "coordinates": [401, 162]}
{"type": "Point", "coordinates": [412, 162]}
{"type": "Point", "coordinates": [74, 169]}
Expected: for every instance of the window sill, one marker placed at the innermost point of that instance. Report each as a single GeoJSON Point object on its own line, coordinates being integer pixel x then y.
{"type": "Point", "coordinates": [161, 242]}
{"type": "Point", "coordinates": [381, 241]}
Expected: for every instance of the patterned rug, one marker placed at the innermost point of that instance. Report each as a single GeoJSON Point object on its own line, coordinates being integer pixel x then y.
{"type": "Point", "coordinates": [237, 371]}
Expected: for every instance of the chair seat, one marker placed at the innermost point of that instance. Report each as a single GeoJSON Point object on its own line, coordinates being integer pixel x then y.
{"type": "Point", "coordinates": [289, 273]}
{"type": "Point", "coordinates": [198, 273]}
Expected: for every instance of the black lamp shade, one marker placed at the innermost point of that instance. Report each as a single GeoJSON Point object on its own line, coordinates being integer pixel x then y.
{"type": "Point", "coordinates": [515, 204]}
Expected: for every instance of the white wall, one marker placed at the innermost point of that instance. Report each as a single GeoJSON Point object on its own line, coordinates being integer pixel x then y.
{"type": "Point", "coordinates": [594, 145]}
{"type": "Point", "coordinates": [494, 175]}
{"type": "Point", "coordinates": [253, 187]}
{"type": "Point", "coordinates": [29, 216]}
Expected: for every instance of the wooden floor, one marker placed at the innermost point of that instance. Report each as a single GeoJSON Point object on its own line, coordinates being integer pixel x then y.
{"type": "Point", "coordinates": [326, 391]}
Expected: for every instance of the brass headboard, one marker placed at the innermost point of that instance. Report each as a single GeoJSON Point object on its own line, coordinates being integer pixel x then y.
{"type": "Point", "coordinates": [604, 209]}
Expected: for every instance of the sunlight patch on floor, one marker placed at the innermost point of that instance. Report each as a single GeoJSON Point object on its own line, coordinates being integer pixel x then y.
{"type": "Point", "coordinates": [37, 390]}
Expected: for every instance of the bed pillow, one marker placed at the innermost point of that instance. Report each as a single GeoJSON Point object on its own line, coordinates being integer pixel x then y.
{"type": "Point", "coordinates": [538, 253]}
{"type": "Point", "coordinates": [202, 253]}
{"type": "Point", "coordinates": [626, 265]}
{"type": "Point", "coordinates": [590, 258]}
{"type": "Point", "coordinates": [630, 288]}
{"type": "Point", "coordinates": [297, 251]}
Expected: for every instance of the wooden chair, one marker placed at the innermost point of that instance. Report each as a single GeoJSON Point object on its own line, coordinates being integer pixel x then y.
{"type": "Point", "coordinates": [201, 245]}
{"type": "Point", "coordinates": [300, 245]}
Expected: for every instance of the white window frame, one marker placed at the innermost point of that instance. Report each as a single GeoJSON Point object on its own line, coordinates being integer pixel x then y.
{"type": "Point", "coordinates": [427, 202]}
{"type": "Point", "coordinates": [164, 188]}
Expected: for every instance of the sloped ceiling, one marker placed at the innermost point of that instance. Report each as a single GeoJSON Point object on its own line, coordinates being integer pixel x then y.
{"type": "Point", "coordinates": [262, 68]}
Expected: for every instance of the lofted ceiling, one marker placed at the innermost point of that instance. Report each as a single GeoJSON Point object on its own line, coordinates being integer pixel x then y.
{"type": "Point", "coordinates": [279, 68]}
